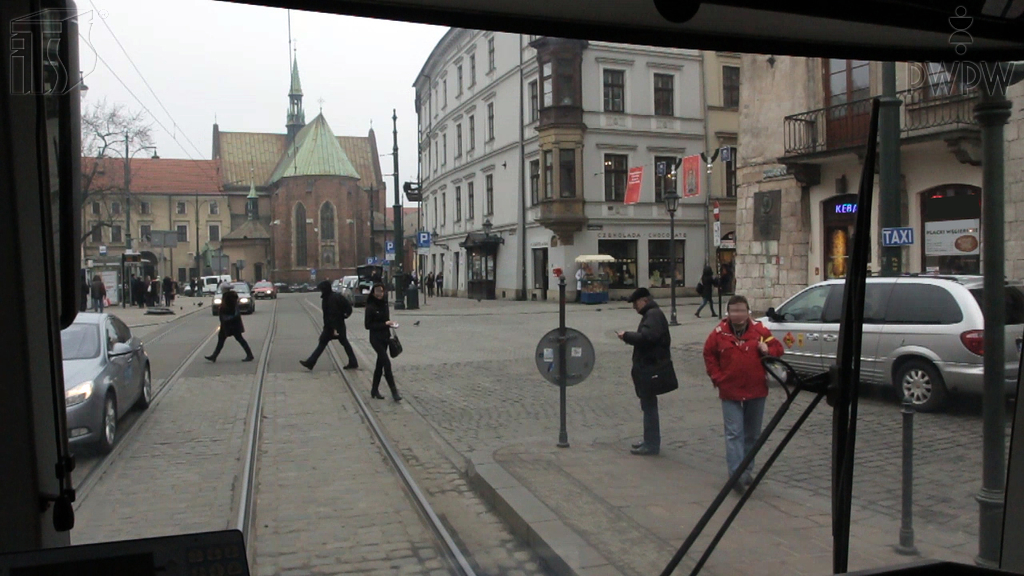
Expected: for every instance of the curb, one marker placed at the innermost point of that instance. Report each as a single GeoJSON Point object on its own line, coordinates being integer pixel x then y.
{"type": "Point", "coordinates": [533, 523]}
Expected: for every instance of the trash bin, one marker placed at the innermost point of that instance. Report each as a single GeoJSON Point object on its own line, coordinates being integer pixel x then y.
{"type": "Point", "coordinates": [412, 297]}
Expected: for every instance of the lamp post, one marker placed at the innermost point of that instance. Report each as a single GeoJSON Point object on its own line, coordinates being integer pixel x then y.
{"type": "Point", "coordinates": [672, 204]}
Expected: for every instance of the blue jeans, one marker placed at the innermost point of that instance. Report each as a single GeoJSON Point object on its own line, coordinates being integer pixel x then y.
{"type": "Point", "coordinates": [707, 301]}
{"type": "Point", "coordinates": [97, 304]}
{"type": "Point", "coordinates": [652, 426]}
{"type": "Point", "coordinates": [742, 427]}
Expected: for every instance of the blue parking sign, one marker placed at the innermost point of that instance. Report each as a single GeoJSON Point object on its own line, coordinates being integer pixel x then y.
{"type": "Point", "coordinates": [423, 240]}
{"type": "Point", "coordinates": [389, 247]}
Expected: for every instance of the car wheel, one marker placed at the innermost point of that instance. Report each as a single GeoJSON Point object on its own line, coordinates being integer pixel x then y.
{"type": "Point", "coordinates": [108, 425]}
{"type": "Point", "coordinates": [146, 395]}
{"type": "Point", "coordinates": [920, 381]}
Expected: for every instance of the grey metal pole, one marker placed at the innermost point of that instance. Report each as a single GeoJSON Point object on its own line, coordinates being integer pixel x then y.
{"type": "Point", "coordinates": [992, 113]}
{"type": "Point", "coordinates": [563, 435]}
{"type": "Point", "coordinates": [399, 272]}
{"type": "Point", "coordinates": [906, 545]}
{"type": "Point", "coordinates": [672, 264]}
{"type": "Point", "coordinates": [889, 166]}
{"type": "Point", "coordinates": [127, 197]}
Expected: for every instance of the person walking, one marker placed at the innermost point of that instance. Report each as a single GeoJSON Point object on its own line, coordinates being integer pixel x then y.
{"type": "Point", "coordinates": [706, 288]}
{"type": "Point", "coordinates": [430, 284]}
{"type": "Point", "coordinates": [336, 309]}
{"type": "Point", "coordinates": [231, 325]}
{"type": "Point", "coordinates": [440, 284]}
{"type": "Point", "coordinates": [732, 357]}
{"type": "Point", "coordinates": [378, 322]}
{"type": "Point", "coordinates": [580, 275]}
{"type": "Point", "coordinates": [651, 356]}
{"type": "Point", "coordinates": [98, 292]}
{"type": "Point", "coordinates": [168, 291]}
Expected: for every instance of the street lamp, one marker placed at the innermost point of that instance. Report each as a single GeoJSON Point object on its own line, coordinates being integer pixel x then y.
{"type": "Point", "coordinates": [672, 204]}
{"type": "Point", "coordinates": [487, 227]}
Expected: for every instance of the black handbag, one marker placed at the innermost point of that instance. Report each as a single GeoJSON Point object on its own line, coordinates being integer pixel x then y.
{"type": "Point", "coordinates": [654, 379]}
{"type": "Point", "coordinates": [394, 344]}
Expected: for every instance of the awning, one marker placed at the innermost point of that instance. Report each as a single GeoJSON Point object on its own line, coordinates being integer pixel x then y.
{"type": "Point", "coordinates": [481, 240]}
{"type": "Point", "coordinates": [594, 258]}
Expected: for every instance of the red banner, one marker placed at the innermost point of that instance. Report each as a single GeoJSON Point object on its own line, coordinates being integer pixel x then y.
{"type": "Point", "coordinates": [633, 183]}
{"type": "Point", "coordinates": [691, 176]}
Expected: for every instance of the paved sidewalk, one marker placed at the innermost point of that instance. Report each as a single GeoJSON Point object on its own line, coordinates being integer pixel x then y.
{"type": "Point", "coordinates": [139, 317]}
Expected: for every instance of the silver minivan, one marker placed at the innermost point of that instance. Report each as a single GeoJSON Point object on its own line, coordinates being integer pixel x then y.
{"type": "Point", "coordinates": [922, 334]}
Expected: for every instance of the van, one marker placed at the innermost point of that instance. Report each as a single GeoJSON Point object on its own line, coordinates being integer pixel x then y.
{"type": "Point", "coordinates": [210, 283]}
{"type": "Point", "coordinates": [923, 335]}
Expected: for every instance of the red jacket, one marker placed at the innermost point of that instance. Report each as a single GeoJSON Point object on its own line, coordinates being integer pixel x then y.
{"type": "Point", "coordinates": [734, 364]}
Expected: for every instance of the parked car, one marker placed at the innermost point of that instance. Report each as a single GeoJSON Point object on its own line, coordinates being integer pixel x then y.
{"type": "Point", "coordinates": [922, 334]}
{"type": "Point", "coordinates": [210, 284]}
{"type": "Point", "coordinates": [246, 301]}
{"type": "Point", "coordinates": [349, 288]}
{"type": "Point", "coordinates": [366, 275]}
{"type": "Point", "coordinates": [282, 288]}
{"type": "Point", "coordinates": [264, 289]}
{"type": "Point", "coordinates": [106, 373]}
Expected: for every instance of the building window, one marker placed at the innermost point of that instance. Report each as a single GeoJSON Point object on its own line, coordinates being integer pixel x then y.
{"type": "Point", "coordinates": [327, 221]}
{"type": "Point", "coordinates": [472, 70]}
{"type": "Point", "coordinates": [145, 207]}
{"type": "Point", "coordinates": [489, 184]}
{"type": "Point", "coordinates": [472, 132]}
{"type": "Point", "coordinates": [97, 233]}
{"type": "Point", "coordinates": [664, 94]}
{"type": "Point", "coordinates": [470, 199]}
{"type": "Point", "coordinates": [444, 208]}
{"type": "Point", "coordinates": [444, 149]}
{"type": "Point", "coordinates": [436, 156]}
{"type": "Point", "coordinates": [659, 263]}
{"type": "Point", "coordinates": [115, 208]}
{"type": "Point", "coordinates": [444, 85]}
{"type": "Point", "coordinates": [95, 208]}
{"type": "Point", "coordinates": [622, 272]}
{"type": "Point", "coordinates": [490, 54]}
{"type": "Point", "coordinates": [549, 175]}
{"type": "Point", "coordinates": [490, 121]}
{"type": "Point", "coordinates": [731, 86]}
{"type": "Point", "coordinates": [458, 140]}
{"type": "Point", "coordinates": [614, 91]}
{"type": "Point", "coordinates": [458, 76]}
{"type": "Point", "coordinates": [534, 181]}
{"type": "Point", "coordinates": [730, 174]}
{"type": "Point", "coordinates": [181, 209]}
{"type": "Point", "coordinates": [615, 171]}
{"type": "Point", "coordinates": [435, 211]}
{"type": "Point", "coordinates": [214, 232]}
{"type": "Point", "coordinates": [300, 235]}
{"type": "Point", "coordinates": [214, 208]}
{"type": "Point", "coordinates": [663, 181]}
{"type": "Point", "coordinates": [458, 203]}
{"type": "Point", "coordinates": [546, 87]}
{"type": "Point", "coordinates": [566, 83]}
{"type": "Point", "coordinates": [146, 232]}
{"type": "Point", "coordinates": [534, 102]}
{"type": "Point", "coordinates": [567, 173]}
{"type": "Point", "coordinates": [115, 234]}
{"type": "Point", "coordinates": [182, 232]}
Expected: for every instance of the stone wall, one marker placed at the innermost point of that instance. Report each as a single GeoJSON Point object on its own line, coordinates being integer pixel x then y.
{"type": "Point", "coordinates": [1014, 182]}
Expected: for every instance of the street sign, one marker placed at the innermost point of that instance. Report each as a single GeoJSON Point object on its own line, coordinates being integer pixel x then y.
{"type": "Point", "coordinates": [579, 357]}
{"type": "Point", "coordinates": [661, 168]}
{"type": "Point", "coordinates": [897, 237]}
{"type": "Point", "coordinates": [423, 240]}
{"type": "Point", "coordinates": [390, 256]}
{"type": "Point", "coordinates": [103, 250]}
{"type": "Point", "coordinates": [240, 264]}
{"type": "Point", "coordinates": [389, 247]}
{"type": "Point", "coordinates": [726, 153]}
{"type": "Point", "coordinates": [718, 233]}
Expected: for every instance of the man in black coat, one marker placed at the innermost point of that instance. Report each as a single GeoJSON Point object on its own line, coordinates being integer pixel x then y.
{"type": "Point", "coordinates": [651, 347]}
{"type": "Point", "coordinates": [336, 309]}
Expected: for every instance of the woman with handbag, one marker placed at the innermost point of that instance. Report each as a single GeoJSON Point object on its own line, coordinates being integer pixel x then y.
{"type": "Point", "coordinates": [378, 322]}
{"type": "Point", "coordinates": [231, 325]}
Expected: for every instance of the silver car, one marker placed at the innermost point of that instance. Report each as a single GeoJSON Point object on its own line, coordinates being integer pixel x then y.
{"type": "Point", "coordinates": [922, 334]}
{"type": "Point", "coordinates": [106, 373]}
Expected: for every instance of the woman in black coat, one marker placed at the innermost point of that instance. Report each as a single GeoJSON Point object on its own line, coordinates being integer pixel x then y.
{"type": "Point", "coordinates": [707, 291]}
{"type": "Point", "coordinates": [231, 325]}
{"type": "Point", "coordinates": [378, 322]}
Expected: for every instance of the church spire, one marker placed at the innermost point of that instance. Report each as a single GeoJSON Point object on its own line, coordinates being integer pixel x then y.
{"type": "Point", "coordinates": [252, 206]}
{"type": "Point", "coordinates": [296, 115]}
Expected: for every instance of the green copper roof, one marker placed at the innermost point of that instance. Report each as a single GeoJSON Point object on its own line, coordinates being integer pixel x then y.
{"type": "Point", "coordinates": [315, 152]}
{"type": "Point", "coordinates": [296, 85]}
{"type": "Point", "coordinates": [252, 190]}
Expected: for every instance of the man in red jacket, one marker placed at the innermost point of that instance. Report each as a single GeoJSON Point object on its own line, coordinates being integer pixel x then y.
{"type": "Point", "coordinates": [732, 356]}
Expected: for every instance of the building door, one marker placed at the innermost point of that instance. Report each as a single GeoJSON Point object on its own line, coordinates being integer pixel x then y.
{"type": "Point", "coordinates": [847, 107]}
{"type": "Point", "coordinates": [455, 274]}
{"type": "Point", "coordinates": [540, 271]}
{"type": "Point", "coordinates": [839, 216]}
{"type": "Point", "coordinates": [258, 268]}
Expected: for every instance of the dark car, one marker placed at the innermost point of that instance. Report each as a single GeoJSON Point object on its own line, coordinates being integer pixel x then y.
{"type": "Point", "coordinates": [246, 301]}
{"type": "Point", "coordinates": [106, 373]}
{"type": "Point", "coordinates": [282, 288]}
{"type": "Point", "coordinates": [263, 290]}
{"type": "Point", "coordinates": [366, 275]}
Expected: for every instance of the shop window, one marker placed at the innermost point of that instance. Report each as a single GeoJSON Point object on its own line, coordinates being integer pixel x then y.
{"type": "Point", "coordinates": [659, 263]}
{"type": "Point", "coordinates": [622, 272]}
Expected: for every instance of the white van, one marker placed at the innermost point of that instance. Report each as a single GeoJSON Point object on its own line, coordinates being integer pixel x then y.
{"type": "Point", "coordinates": [209, 283]}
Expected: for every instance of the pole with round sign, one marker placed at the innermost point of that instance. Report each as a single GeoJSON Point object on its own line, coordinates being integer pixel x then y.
{"type": "Point", "coordinates": [565, 357]}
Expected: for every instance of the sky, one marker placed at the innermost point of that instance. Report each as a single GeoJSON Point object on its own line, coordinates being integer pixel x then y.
{"type": "Point", "coordinates": [184, 63]}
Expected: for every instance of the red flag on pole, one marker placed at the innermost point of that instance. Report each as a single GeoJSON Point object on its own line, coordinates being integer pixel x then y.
{"type": "Point", "coordinates": [633, 183]}
{"type": "Point", "coordinates": [691, 176]}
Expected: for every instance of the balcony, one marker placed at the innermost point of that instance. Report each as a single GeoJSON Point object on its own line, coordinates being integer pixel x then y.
{"type": "Point", "coordinates": [563, 216]}
{"type": "Point", "coordinates": [844, 127]}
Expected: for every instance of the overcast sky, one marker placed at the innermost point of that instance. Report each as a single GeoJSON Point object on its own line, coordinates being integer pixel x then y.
{"type": "Point", "coordinates": [204, 59]}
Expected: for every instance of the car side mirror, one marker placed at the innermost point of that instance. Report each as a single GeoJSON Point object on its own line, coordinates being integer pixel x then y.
{"type": "Point", "coordinates": [774, 316]}
{"type": "Point", "coordinates": [120, 349]}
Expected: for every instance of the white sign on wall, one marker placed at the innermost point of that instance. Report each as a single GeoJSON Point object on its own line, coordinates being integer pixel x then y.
{"type": "Point", "coordinates": [109, 278]}
{"type": "Point", "coordinates": [952, 238]}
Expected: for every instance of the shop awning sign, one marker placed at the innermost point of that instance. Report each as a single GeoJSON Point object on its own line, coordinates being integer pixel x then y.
{"type": "Point", "coordinates": [952, 238]}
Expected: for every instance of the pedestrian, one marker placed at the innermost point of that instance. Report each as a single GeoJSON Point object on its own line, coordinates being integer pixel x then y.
{"type": "Point", "coordinates": [98, 292]}
{"type": "Point", "coordinates": [706, 289]}
{"type": "Point", "coordinates": [168, 291]}
{"type": "Point", "coordinates": [231, 325]}
{"type": "Point", "coordinates": [336, 309]}
{"type": "Point", "coordinates": [83, 302]}
{"type": "Point", "coordinates": [430, 284]}
{"type": "Point", "coordinates": [651, 356]}
{"type": "Point", "coordinates": [192, 287]}
{"type": "Point", "coordinates": [732, 356]}
{"type": "Point", "coordinates": [154, 292]}
{"type": "Point", "coordinates": [378, 322]}
{"type": "Point", "coordinates": [440, 284]}
{"type": "Point", "coordinates": [580, 275]}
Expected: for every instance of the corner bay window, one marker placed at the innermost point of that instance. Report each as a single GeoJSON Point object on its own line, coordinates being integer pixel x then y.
{"type": "Point", "coordinates": [535, 181]}
{"type": "Point", "coordinates": [549, 176]}
{"type": "Point", "coordinates": [567, 173]}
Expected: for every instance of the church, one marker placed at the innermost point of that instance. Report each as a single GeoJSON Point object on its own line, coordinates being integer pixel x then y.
{"type": "Point", "coordinates": [314, 204]}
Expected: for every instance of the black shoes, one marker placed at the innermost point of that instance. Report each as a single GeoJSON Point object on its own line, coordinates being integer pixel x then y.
{"type": "Point", "coordinates": [397, 398]}
{"type": "Point", "coordinates": [376, 395]}
{"type": "Point", "coordinates": [211, 358]}
{"type": "Point", "coordinates": [306, 364]}
{"type": "Point", "coordinates": [637, 444]}
{"type": "Point", "coordinates": [350, 366]}
{"type": "Point", "coordinates": [248, 358]}
{"type": "Point", "coordinates": [645, 450]}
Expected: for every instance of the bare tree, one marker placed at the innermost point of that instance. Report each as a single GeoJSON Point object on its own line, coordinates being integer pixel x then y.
{"type": "Point", "coordinates": [104, 128]}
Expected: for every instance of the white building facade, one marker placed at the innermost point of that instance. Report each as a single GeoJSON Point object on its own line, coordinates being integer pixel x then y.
{"type": "Point", "coordinates": [525, 147]}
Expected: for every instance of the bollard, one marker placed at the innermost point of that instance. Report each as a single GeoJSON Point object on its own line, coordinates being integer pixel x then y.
{"type": "Point", "coordinates": [906, 545]}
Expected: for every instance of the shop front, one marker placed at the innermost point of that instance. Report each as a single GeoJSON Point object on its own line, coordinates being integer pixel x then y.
{"type": "Point", "coordinates": [839, 217]}
{"type": "Point", "coordinates": [481, 258]}
{"type": "Point", "coordinates": [726, 255]}
{"type": "Point", "coordinates": [951, 216]}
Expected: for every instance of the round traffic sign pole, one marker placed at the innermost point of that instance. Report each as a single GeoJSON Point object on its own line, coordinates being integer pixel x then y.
{"type": "Point", "coordinates": [563, 435]}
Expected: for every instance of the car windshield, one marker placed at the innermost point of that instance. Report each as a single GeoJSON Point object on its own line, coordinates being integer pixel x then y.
{"type": "Point", "coordinates": [264, 285]}
{"type": "Point", "coordinates": [80, 341]}
{"type": "Point", "coordinates": [240, 287]}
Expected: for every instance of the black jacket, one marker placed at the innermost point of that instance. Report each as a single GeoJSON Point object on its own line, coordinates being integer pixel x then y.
{"type": "Point", "coordinates": [231, 322]}
{"type": "Point", "coordinates": [377, 316]}
{"type": "Point", "coordinates": [168, 286]}
{"type": "Point", "coordinates": [98, 290]}
{"type": "Point", "coordinates": [336, 309]}
{"type": "Point", "coordinates": [651, 342]}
